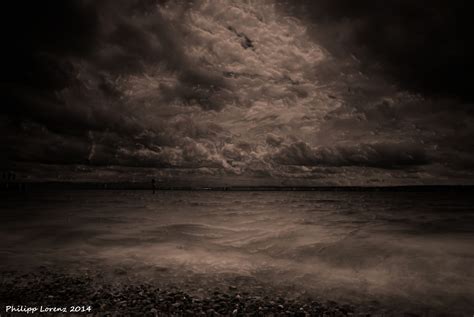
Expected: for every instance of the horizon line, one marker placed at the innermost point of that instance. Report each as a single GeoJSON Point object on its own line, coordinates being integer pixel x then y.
{"type": "Point", "coordinates": [91, 185]}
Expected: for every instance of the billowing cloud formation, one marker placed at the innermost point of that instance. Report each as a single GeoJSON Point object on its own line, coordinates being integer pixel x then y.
{"type": "Point", "coordinates": [373, 155]}
{"type": "Point", "coordinates": [217, 89]}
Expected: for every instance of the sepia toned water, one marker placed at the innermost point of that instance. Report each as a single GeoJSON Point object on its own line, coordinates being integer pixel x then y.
{"type": "Point", "coordinates": [409, 248]}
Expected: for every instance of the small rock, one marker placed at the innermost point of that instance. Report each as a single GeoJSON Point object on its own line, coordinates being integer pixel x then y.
{"type": "Point", "coordinates": [120, 271]}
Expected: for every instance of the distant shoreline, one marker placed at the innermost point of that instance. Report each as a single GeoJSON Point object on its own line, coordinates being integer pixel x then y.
{"type": "Point", "coordinates": [40, 186]}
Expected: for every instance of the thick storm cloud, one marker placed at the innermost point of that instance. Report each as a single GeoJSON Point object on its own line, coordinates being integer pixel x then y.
{"type": "Point", "coordinates": [264, 92]}
{"type": "Point", "coordinates": [424, 45]}
{"type": "Point", "coordinates": [374, 155]}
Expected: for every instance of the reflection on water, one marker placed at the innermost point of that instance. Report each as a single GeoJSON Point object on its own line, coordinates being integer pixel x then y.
{"type": "Point", "coordinates": [406, 247]}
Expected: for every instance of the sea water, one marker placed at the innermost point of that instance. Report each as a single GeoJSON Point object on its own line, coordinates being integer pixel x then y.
{"type": "Point", "coordinates": [413, 248]}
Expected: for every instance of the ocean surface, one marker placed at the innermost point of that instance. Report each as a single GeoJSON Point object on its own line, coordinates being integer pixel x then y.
{"type": "Point", "coordinates": [405, 249]}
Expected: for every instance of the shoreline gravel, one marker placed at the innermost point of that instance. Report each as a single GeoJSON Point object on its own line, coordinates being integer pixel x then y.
{"type": "Point", "coordinates": [62, 290]}
{"type": "Point", "coordinates": [118, 296]}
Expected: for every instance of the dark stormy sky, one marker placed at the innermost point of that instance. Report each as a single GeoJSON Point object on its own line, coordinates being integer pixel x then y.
{"type": "Point", "coordinates": [322, 92]}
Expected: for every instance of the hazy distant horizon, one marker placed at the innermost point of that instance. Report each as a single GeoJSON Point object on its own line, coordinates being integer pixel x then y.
{"type": "Point", "coordinates": [101, 185]}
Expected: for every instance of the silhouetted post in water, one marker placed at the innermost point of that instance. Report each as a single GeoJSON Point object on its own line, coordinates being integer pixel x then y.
{"type": "Point", "coordinates": [10, 179]}
{"type": "Point", "coordinates": [153, 185]}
